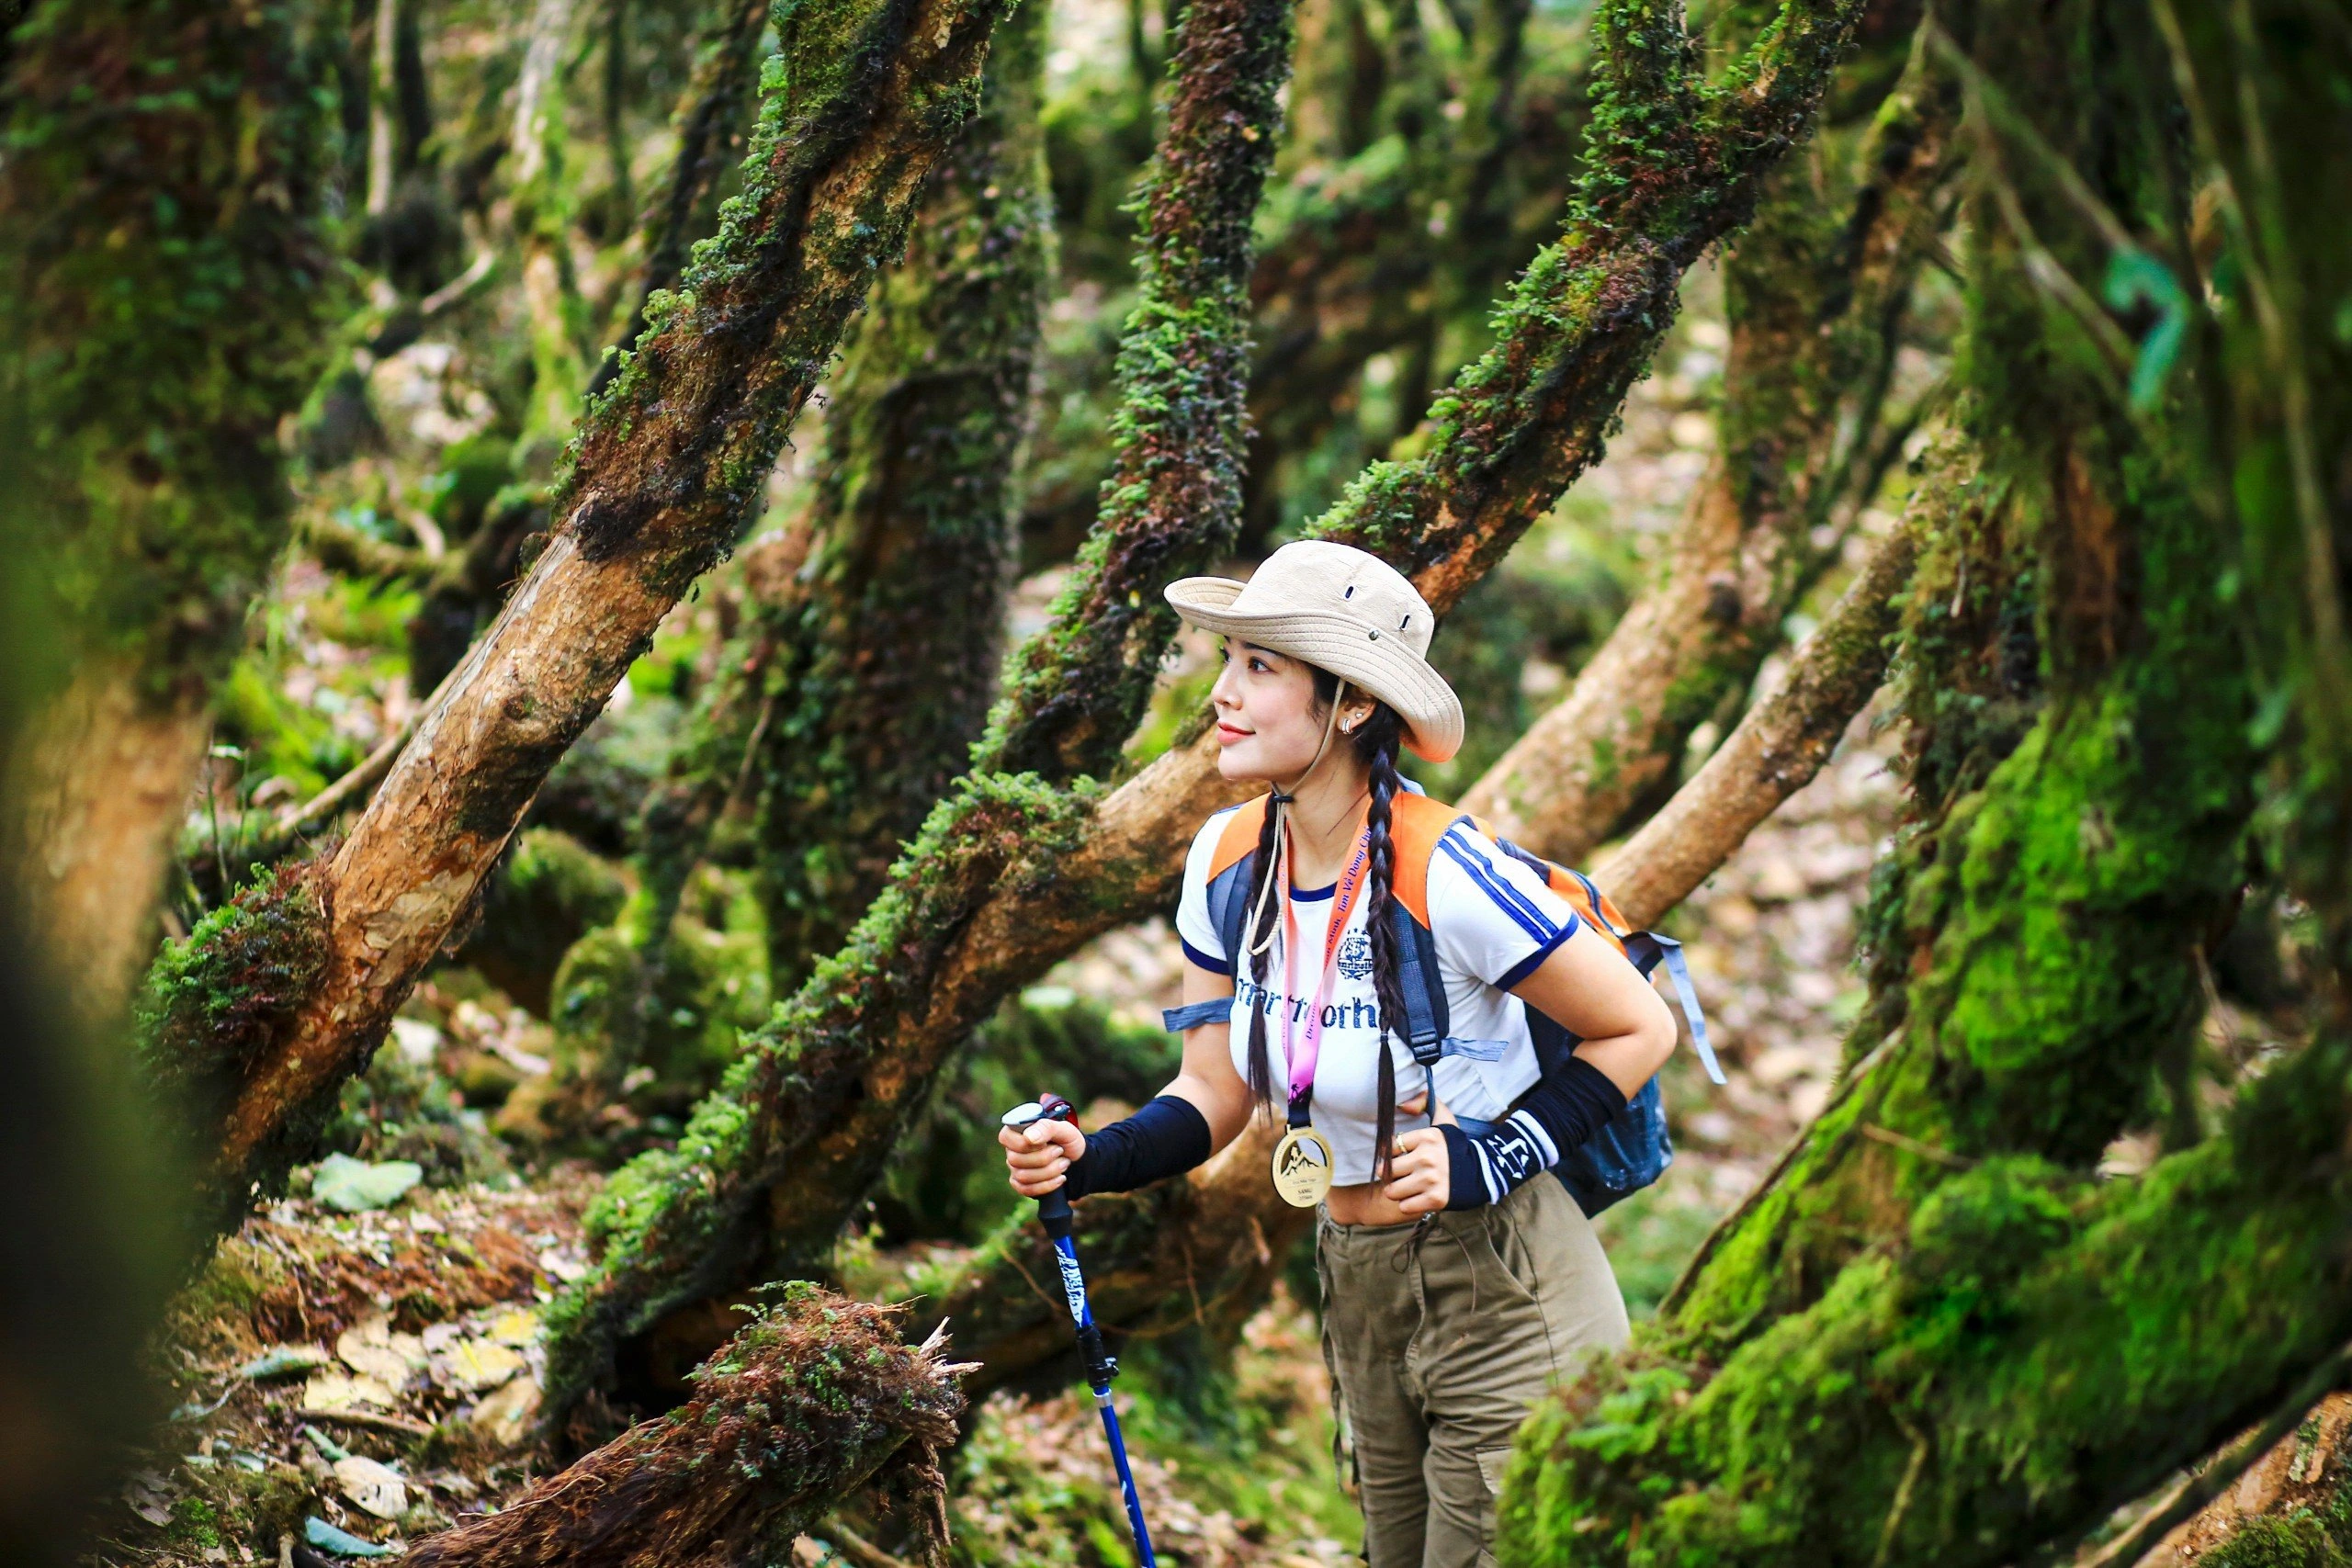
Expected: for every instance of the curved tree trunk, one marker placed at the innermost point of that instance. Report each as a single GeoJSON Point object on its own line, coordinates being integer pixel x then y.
{"type": "Point", "coordinates": [655, 489]}
{"type": "Point", "coordinates": [164, 290]}
{"type": "Point", "coordinates": [1008, 877]}
{"type": "Point", "coordinates": [161, 155]}
{"type": "Point", "coordinates": [1816, 294]}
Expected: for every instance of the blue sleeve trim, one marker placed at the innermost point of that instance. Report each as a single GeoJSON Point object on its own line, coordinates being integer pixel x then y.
{"type": "Point", "coordinates": [1207, 961]}
{"type": "Point", "coordinates": [1507, 899]}
{"type": "Point", "coordinates": [1191, 1015]}
{"type": "Point", "coordinates": [1535, 960]}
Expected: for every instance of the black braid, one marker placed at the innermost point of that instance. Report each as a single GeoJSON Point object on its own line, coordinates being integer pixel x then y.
{"type": "Point", "coordinates": [1378, 736]}
{"type": "Point", "coordinates": [1261, 1073]}
{"type": "Point", "coordinates": [1375, 742]}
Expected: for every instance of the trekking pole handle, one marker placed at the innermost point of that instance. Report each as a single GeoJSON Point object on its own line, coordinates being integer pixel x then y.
{"type": "Point", "coordinates": [1053, 1209]}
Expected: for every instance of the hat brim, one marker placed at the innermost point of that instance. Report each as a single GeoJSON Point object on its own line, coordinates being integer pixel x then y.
{"type": "Point", "coordinates": [1385, 667]}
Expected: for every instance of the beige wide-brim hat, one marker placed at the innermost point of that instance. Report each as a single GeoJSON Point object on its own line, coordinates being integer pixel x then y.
{"type": "Point", "coordinates": [1342, 609]}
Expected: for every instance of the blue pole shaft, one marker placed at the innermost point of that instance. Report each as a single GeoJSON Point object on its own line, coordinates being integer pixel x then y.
{"type": "Point", "coordinates": [1099, 1369]}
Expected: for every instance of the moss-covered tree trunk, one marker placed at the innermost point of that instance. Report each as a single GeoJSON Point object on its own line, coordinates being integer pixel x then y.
{"type": "Point", "coordinates": [663, 474]}
{"type": "Point", "coordinates": [1935, 1335]}
{"type": "Point", "coordinates": [164, 290]}
{"type": "Point", "coordinates": [1007, 878]}
{"type": "Point", "coordinates": [164, 287]}
{"type": "Point", "coordinates": [773, 1162]}
{"type": "Point", "coordinates": [1815, 290]}
{"type": "Point", "coordinates": [853, 694]}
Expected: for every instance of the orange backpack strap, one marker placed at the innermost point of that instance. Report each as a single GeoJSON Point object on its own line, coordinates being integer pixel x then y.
{"type": "Point", "coordinates": [1415, 825]}
{"type": "Point", "coordinates": [1238, 837]}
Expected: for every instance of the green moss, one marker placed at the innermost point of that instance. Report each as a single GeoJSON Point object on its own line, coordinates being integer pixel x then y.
{"type": "Point", "coordinates": [2034, 1346]}
{"type": "Point", "coordinates": [214, 1000]}
{"type": "Point", "coordinates": [2298, 1540]}
{"type": "Point", "coordinates": [1172, 499]}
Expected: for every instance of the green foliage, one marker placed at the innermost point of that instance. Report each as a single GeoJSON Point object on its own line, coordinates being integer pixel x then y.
{"type": "Point", "coordinates": [550, 890]}
{"type": "Point", "coordinates": [2297, 1539]}
{"type": "Point", "coordinates": [403, 1109]}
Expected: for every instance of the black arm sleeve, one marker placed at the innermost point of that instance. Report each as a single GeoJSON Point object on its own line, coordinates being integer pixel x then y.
{"type": "Point", "coordinates": [1549, 1122]}
{"type": "Point", "coordinates": [1167, 1137]}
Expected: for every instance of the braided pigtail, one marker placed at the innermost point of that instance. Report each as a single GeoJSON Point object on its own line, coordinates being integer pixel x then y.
{"type": "Point", "coordinates": [1376, 739]}
{"type": "Point", "coordinates": [1256, 949]}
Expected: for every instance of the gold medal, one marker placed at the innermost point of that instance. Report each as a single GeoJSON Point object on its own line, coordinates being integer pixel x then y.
{"type": "Point", "coordinates": [1302, 1167]}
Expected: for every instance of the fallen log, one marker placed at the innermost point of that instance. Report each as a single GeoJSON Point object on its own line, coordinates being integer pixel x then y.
{"type": "Point", "coordinates": [817, 1399]}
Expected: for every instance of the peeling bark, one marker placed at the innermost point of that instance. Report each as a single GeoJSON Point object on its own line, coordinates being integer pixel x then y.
{"type": "Point", "coordinates": [665, 467]}
{"type": "Point", "coordinates": [1813, 308]}
{"type": "Point", "coordinates": [1008, 877]}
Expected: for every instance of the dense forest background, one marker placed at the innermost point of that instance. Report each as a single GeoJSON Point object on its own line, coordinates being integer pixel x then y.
{"type": "Point", "coordinates": [586, 700]}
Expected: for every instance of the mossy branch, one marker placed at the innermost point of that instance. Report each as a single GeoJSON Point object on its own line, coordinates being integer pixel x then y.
{"type": "Point", "coordinates": [1815, 292]}
{"type": "Point", "coordinates": [2033, 1349]}
{"type": "Point", "coordinates": [772, 1163]}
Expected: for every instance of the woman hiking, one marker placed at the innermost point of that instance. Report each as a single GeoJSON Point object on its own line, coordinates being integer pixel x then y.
{"type": "Point", "coordinates": [1458, 1279]}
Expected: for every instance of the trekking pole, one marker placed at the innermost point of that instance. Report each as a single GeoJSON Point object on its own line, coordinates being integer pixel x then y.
{"type": "Point", "coordinates": [1053, 1210]}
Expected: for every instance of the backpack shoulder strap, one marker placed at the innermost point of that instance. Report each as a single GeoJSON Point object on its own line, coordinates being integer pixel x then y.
{"type": "Point", "coordinates": [1239, 839]}
{"type": "Point", "coordinates": [1415, 825]}
{"type": "Point", "coordinates": [1230, 871]}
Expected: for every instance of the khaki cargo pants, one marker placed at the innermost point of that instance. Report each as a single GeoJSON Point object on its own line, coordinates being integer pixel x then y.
{"type": "Point", "coordinates": [1440, 1334]}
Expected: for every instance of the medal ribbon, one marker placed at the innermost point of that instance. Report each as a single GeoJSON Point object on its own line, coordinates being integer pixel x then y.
{"type": "Point", "coordinates": [1302, 1057]}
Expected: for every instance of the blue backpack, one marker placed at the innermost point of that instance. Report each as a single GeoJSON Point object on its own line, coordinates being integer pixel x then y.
{"type": "Point", "coordinates": [1621, 1159]}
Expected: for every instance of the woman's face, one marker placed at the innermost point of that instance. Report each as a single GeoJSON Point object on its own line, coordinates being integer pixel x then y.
{"type": "Point", "coordinates": [1268, 726]}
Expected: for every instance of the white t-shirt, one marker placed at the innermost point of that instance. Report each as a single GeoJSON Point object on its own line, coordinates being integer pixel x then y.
{"type": "Point", "coordinates": [1494, 920]}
